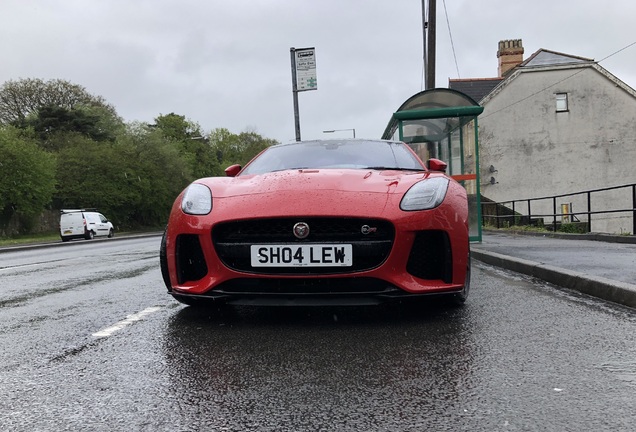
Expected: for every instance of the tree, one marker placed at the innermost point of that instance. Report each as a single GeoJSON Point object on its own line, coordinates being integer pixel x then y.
{"type": "Point", "coordinates": [177, 127]}
{"type": "Point", "coordinates": [133, 180]}
{"type": "Point", "coordinates": [252, 144]}
{"type": "Point", "coordinates": [189, 141]}
{"type": "Point", "coordinates": [237, 149]}
{"type": "Point", "coordinates": [92, 122]}
{"type": "Point", "coordinates": [86, 175]}
{"type": "Point", "coordinates": [27, 175]}
{"type": "Point", "coordinates": [156, 171]}
{"type": "Point", "coordinates": [20, 98]}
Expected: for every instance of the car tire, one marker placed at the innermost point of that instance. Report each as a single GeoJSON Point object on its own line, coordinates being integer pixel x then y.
{"type": "Point", "coordinates": [458, 299]}
{"type": "Point", "coordinates": [111, 233]}
{"type": "Point", "coordinates": [65, 239]}
{"type": "Point", "coordinates": [90, 235]}
{"type": "Point", "coordinates": [163, 262]}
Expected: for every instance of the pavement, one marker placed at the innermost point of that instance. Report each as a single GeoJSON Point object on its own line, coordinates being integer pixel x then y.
{"type": "Point", "coordinates": [599, 265]}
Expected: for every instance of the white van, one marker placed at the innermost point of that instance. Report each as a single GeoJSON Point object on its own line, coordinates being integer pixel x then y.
{"type": "Point", "coordinates": [85, 224]}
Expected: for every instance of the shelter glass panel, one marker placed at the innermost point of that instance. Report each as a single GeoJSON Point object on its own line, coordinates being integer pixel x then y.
{"type": "Point", "coordinates": [470, 176]}
{"type": "Point", "coordinates": [442, 124]}
{"type": "Point", "coordinates": [455, 165]}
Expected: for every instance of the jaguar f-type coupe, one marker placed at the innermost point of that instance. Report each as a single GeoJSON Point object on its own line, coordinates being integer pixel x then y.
{"type": "Point", "coordinates": [330, 222]}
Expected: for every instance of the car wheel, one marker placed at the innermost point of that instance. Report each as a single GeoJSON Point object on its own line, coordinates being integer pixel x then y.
{"type": "Point", "coordinates": [65, 239]}
{"type": "Point", "coordinates": [459, 298]}
{"type": "Point", "coordinates": [163, 262]}
{"type": "Point", "coordinates": [90, 235]}
{"type": "Point", "coordinates": [111, 233]}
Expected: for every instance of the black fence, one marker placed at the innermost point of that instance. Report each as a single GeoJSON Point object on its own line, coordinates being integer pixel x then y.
{"type": "Point", "coordinates": [505, 213]}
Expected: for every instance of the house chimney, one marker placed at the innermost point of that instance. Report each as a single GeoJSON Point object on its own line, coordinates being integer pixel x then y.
{"type": "Point", "coordinates": [510, 55]}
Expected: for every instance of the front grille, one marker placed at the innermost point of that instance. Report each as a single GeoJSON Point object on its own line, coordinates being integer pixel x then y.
{"type": "Point", "coordinates": [431, 256]}
{"type": "Point", "coordinates": [232, 241]}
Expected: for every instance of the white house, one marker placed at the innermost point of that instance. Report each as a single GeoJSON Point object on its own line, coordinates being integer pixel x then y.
{"type": "Point", "coordinates": [556, 124]}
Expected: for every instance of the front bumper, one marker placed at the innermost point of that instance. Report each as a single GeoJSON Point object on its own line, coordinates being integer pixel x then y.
{"type": "Point", "coordinates": [420, 259]}
{"type": "Point", "coordinates": [273, 292]}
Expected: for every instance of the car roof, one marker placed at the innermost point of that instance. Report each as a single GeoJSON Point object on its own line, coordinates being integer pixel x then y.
{"type": "Point", "coordinates": [337, 141]}
{"type": "Point", "coordinates": [63, 211]}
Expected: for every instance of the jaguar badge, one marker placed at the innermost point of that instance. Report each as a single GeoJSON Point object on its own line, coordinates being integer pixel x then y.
{"type": "Point", "coordinates": [301, 230]}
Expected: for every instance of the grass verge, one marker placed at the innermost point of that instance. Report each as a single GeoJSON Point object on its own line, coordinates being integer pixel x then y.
{"type": "Point", "coordinates": [31, 238]}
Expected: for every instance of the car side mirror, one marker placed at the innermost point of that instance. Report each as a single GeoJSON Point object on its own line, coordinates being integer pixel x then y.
{"type": "Point", "coordinates": [436, 165]}
{"type": "Point", "coordinates": [232, 170]}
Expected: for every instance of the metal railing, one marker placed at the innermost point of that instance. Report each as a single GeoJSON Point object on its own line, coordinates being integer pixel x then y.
{"type": "Point", "coordinates": [507, 210]}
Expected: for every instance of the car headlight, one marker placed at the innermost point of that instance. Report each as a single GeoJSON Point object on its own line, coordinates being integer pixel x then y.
{"type": "Point", "coordinates": [425, 195]}
{"type": "Point", "coordinates": [197, 200]}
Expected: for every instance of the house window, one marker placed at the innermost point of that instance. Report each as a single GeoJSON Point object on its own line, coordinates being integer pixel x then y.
{"type": "Point", "coordinates": [561, 102]}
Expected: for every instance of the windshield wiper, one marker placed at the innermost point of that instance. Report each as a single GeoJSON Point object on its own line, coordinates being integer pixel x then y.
{"type": "Point", "coordinates": [289, 169]}
{"type": "Point", "coordinates": [385, 168]}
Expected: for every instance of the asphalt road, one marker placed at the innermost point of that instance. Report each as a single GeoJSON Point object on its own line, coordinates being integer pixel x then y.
{"type": "Point", "coordinates": [90, 341]}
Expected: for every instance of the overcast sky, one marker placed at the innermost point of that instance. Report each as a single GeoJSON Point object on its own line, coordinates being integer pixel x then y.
{"type": "Point", "coordinates": [227, 63]}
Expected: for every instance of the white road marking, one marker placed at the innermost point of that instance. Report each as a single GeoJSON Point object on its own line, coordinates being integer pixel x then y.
{"type": "Point", "coordinates": [21, 266]}
{"type": "Point", "coordinates": [108, 331]}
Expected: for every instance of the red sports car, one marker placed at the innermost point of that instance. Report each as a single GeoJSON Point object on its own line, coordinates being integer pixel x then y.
{"type": "Point", "coordinates": [320, 222]}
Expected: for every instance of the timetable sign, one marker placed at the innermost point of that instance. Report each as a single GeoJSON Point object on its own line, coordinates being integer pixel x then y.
{"type": "Point", "coordinates": [306, 69]}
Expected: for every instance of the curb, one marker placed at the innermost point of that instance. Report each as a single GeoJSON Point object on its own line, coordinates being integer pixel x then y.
{"type": "Point", "coordinates": [606, 289]}
{"type": "Point", "coordinates": [31, 246]}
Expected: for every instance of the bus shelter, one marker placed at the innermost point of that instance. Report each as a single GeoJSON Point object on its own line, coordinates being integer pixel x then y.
{"type": "Point", "coordinates": [442, 123]}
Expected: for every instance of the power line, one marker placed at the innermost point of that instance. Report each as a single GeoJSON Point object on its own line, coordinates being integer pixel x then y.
{"type": "Point", "coordinates": [535, 93]}
{"type": "Point", "coordinates": [556, 83]}
{"type": "Point", "coordinates": [450, 34]}
{"type": "Point", "coordinates": [614, 53]}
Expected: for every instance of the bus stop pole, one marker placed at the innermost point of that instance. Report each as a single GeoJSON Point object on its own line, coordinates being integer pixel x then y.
{"type": "Point", "coordinates": [292, 52]}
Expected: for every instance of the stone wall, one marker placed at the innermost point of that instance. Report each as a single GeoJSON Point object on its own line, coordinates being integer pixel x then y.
{"type": "Point", "coordinates": [47, 222]}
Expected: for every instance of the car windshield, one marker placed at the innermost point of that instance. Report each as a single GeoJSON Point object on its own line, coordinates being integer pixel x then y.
{"type": "Point", "coordinates": [353, 154]}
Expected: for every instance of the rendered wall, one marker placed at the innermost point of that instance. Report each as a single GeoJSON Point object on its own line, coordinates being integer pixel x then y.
{"type": "Point", "coordinates": [537, 151]}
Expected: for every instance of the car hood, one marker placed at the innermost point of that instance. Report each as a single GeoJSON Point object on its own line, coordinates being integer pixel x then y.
{"type": "Point", "coordinates": [309, 181]}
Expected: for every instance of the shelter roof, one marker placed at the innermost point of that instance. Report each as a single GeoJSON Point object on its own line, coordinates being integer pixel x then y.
{"type": "Point", "coordinates": [435, 103]}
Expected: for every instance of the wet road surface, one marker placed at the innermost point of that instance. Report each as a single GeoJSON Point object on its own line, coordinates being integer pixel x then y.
{"type": "Point", "coordinates": [96, 344]}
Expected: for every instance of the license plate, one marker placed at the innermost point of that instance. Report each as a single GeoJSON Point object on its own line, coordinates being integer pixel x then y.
{"type": "Point", "coordinates": [302, 255]}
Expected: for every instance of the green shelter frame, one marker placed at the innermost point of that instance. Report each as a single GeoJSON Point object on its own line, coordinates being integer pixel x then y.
{"type": "Point", "coordinates": [442, 123]}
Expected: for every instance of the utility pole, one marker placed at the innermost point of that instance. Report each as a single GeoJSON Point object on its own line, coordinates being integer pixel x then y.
{"type": "Point", "coordinates": [429, 29]}
{"type": "Point", "coordinates": [424, 26]}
